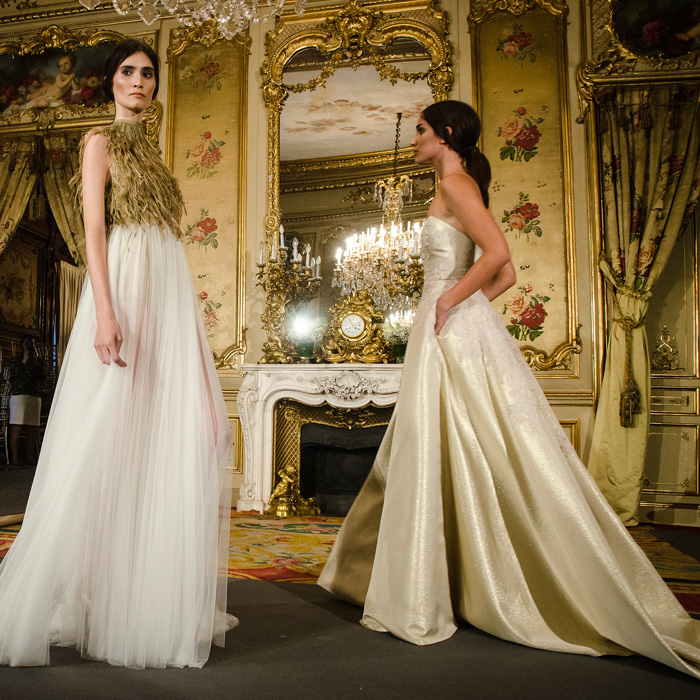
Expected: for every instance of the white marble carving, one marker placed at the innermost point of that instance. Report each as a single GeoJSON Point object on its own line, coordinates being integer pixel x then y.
{"type": "Point", "coordinates": [342, 386]}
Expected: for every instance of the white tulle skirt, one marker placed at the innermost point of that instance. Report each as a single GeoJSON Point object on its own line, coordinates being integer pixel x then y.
{"type": "Point", "coordinates": [124, 544]}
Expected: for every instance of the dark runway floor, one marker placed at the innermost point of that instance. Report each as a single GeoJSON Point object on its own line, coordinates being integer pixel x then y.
{"type": "Point", "coordinates": [295, 641]}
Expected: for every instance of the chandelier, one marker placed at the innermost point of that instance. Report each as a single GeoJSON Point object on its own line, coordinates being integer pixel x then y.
{"type": "Point", "coordinates": [385, 260]}
{"type": "Point", "coordinates": [231, 16]}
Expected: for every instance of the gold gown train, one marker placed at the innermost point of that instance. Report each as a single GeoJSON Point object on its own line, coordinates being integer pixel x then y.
{"type": "Point", "coordinates": [478, 506]}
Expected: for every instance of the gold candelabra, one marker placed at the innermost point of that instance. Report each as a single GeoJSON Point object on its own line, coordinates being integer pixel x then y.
{"type": "Point", "coordinates": [286, 281]}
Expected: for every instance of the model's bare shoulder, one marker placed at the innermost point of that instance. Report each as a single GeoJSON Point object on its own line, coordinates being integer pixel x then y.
{"type": "Point", "coordinates": [458, 189]}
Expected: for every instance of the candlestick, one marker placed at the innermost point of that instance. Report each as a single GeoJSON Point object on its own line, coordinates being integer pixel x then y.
{"type": "Point", "coordinates": [261, 253]}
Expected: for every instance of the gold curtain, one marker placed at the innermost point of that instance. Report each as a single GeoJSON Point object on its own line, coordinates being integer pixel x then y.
{"type": "Point", "coordinates": [70, 285]}
{"type": "Point", "coordinates": [650, 154]}
{"type": "Point", "coordinates": [17, 177]}
{"type": "Point", "coordinates": [61, 160]}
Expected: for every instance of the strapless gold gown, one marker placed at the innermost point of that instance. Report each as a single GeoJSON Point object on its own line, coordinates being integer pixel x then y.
{"type": "Point", "coordinates": [478, 506]}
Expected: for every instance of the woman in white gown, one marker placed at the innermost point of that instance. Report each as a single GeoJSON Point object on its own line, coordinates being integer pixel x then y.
{"type": "Point", "coordinates": [477, 504]}
{"type": "Point", "coordinates": [126, 527]}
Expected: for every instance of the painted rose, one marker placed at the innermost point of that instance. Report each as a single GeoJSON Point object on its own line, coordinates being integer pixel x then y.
{"type": "Point", "coordinates": [210, 320]}
{"type": "Point", "coordinates": [510, 128]}
{"type": "Point", "coordinates": [203, 295]}
{"type": "Point", "coordinates": [522, 39]}
{"type": "Point", "coordinates": [533, 317]}
{"type": "Point", "coordinates": [527, 288]}
{"type": "Point", "coordinates": [528, 137]}
{"type": "Point", "coordinates": [645, 257]}
{"type": "Point", "coordinates": [211, 69]}
{"type": "Point", "coordinates": [207, 135]}
{"type": "Point", "coordinates": [516, 304]}
{"type": "Point", "coordinates": [197, 235]}
{"type": "Point", "coordinates": [517, 221]}
{"type": "Point", "coordinates": [510, 49]}
{"type": "Point", "coordinates": [521, 111]}
{"type": "Point", "coordinates": [208, 225]}
{"type": "Point", "coordinates": [211, 159]}
{"type": "Point", "coordinates": [56, 156]}
{"type": "Point", "coordinates": [197, 150]}
{"type": "Point", "coordinates": [528, 210]}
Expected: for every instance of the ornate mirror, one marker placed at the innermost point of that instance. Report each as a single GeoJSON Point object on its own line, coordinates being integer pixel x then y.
{"type": "Point", "coordinates": [334, 82]}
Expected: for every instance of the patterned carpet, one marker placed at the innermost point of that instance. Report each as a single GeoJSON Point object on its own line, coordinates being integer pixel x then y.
{"type": "Point", "coordinates": [295, 549]}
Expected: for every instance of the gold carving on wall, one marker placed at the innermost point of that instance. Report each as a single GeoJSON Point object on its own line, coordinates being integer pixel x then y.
{"type": "Point", "coordinates": [350, 34]}
{"type": "Point", "coordinates": [220, 275]}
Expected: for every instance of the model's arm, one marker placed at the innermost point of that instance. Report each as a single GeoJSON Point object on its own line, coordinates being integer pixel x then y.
{"type": "Point", "coordinates": [462, 199]}
{"type": "Point", "coordinates": [96, 163]}
{"type": "Point", "coordinates": [504, 279]}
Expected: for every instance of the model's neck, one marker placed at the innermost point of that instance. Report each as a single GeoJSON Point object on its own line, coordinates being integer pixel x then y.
{"type": "Point", "coordinates": [448, 163]}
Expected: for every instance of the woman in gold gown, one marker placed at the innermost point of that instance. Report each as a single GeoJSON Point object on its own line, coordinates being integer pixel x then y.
{"type": "Point", "coordinates": [477, 505]}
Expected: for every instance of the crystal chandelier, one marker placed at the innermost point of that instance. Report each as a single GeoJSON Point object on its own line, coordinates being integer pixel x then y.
{"type": "Point", "coordinates": [231, 16]}
{"type": "Point", "coordinates": [385, 260]}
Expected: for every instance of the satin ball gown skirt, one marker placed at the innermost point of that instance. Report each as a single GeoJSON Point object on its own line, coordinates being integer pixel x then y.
{"type": "Point", "coordinates": [124, 544]}
{"type": "Point", "coordinates": [477, 505]}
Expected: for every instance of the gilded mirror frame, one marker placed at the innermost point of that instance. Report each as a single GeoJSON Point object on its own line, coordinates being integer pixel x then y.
{"type": "Point", "coordinates": [349, 34]}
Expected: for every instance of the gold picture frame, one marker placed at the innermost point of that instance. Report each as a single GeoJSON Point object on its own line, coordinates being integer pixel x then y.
{"type": "Point", "coordinates": [28, 106]}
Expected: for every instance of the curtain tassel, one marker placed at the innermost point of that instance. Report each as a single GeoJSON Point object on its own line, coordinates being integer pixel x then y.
{"type": "Point", "coordinates": [630, 397]}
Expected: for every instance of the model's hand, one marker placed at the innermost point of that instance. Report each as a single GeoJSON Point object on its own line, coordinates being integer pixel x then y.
{"type": "Point", "coordinates": [442, 311]}
{"type": "Point", "coordinates": [108, 341]}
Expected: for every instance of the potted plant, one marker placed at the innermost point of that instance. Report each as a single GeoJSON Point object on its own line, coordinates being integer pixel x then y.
{"type": "Point", "coordinates": [396, 331]}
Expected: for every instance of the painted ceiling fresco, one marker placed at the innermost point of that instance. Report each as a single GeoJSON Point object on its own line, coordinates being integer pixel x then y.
{"type": "Point", "coordinates": [355, 112]}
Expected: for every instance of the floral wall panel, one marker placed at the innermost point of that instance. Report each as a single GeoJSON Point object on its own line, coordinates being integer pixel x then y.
{"type": "Point", "coordinates": [522, 99]}
{"type": "Point", "coordinates": [206, 148]}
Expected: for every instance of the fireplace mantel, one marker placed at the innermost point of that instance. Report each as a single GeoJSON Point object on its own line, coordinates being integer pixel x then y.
{"type": "Point", "coordinates": [343, 386]}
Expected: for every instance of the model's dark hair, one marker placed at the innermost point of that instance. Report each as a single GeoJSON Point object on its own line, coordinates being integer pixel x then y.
{"type": "Point", "coordinates": [119, 55]}
{"type": "Point", "coordinates": [461, 136]}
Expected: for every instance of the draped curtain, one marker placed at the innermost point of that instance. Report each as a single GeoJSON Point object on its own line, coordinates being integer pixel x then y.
{"type": "Point", "coordinates": [650, 153]}
{"type": "Point", "coordinates": [18, 172]}
{"type": "Point", "coordinates": [61, 160]}
{"type": "Point", "coordinates": [70, 284]}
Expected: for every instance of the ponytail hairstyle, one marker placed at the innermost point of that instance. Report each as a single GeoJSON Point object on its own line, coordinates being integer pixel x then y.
{"type": "Point", "coordinates": [458, 125]}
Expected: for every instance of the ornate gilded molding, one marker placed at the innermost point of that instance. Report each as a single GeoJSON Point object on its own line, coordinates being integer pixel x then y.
{"type": "Point", "coordinates": [559, 358]}
{"type": "Point", "coordinates": [481, 10]}
{"type": "Point", "coordinates": [349, 35]}
{"type": "Point", "coordinates": [613, 59]}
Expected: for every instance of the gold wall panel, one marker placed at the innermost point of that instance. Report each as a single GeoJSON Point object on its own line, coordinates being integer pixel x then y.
{"type": "Point", "coordinates": [206, 147]}
{"type": "Point", "coordinates": [519, 64]}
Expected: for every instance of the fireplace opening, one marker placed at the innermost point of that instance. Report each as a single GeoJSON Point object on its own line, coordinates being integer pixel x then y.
{"type": "Point", "coordinates": [334, 463]}
{"type": "Point", "coordinates": [322, 456]}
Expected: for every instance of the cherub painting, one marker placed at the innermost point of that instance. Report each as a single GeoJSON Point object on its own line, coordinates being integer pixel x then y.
{"type": "Point", "coordinates": [52, 79]}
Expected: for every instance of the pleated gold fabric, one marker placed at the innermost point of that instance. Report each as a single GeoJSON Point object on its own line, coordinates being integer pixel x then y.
{"type": "Point", "coordinates": [477, 505]}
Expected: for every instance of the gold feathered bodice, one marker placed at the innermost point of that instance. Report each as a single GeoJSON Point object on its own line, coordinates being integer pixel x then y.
{"type": "Point", "coordinates": [141, 189]}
